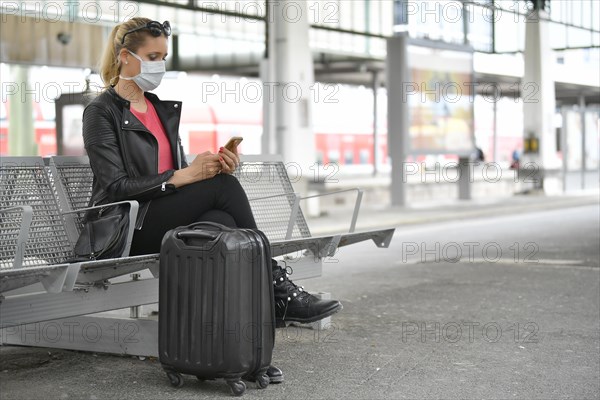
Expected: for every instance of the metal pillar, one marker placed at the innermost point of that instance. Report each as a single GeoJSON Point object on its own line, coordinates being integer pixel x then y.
{"type": "Point", "coordinates": [375, 130]}
{"type": "Point", "coordinates": [564, 147]}
{"type": "Point", "coordinates": [495, 137]}
{"type": "Point", "coordinates": [292, 67]}
{"type": "Point", "coordinates": [398, 114]}
{"type": "Point", "coordinates": [465, 167]}
{"type": "Point", "coordinates": [21, 135]}
{"type": "Point", "coordinates": [268, 77]}
{"type": "Point", "coordinates": [583, 140]}
{"type": "Point", "coordinates": [538, 94]}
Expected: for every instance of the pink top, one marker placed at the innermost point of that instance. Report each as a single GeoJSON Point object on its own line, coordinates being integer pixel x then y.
{"type": "Point", "coordinates": [152, 122]}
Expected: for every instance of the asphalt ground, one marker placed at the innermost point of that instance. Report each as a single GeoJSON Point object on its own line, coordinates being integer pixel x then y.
{"type": "Point", "coordinates": [464, 304]}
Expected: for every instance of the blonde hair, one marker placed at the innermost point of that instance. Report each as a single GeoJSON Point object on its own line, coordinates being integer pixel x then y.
{"type": "Point", "coordinates": [110, 64]}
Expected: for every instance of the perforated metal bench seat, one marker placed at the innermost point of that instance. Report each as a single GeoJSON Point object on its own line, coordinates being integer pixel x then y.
{"type": "Point", "coordinates": [53, 190]}
{"type": "Point", "coordinates": [33, 242]}
{"type": "Point", "coordinates": [275, 206]}
{"type": "Point", "coordinates": [39, 229]}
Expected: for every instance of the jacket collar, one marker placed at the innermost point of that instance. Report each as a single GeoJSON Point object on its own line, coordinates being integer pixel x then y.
{"type": "Point", "coordinates": [150, 96]}
{"type": "Point", "coordinates": [118, 99]}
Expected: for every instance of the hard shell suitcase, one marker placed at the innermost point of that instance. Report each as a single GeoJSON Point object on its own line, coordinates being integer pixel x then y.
{"type": "Point", "coordinates": [216, 310]}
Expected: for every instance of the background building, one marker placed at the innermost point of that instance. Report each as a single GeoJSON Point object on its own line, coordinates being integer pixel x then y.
{"type": "Point", "coordinates": [217, 67]}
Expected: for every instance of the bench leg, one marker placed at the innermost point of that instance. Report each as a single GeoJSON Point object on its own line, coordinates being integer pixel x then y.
{"type": "Point", "coordinates": [135, 311]}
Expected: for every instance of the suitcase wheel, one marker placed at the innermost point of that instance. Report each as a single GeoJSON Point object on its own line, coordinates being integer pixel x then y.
{"type": "Point", "coordinates": [262, 381]}
{"type": "Point", "coordinates": [175, 379]}
{"type": "Point", "coordinates": [237, 387]}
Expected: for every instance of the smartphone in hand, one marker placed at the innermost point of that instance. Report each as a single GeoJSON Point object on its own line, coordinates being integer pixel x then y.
{"type": "Point", "coordinates": [233, 143]}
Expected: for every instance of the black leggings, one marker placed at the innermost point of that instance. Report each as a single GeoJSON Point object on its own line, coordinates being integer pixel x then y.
{"type": "Point", "coordinates": [220, 199]}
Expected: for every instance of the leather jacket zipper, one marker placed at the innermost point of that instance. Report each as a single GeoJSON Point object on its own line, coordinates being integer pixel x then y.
{"type": "Point", "coordinates": [160, 185]}
{"type": "Point", "coordinates": [163, 185]}
{"type": "Point", "coordinates": [155, 142]}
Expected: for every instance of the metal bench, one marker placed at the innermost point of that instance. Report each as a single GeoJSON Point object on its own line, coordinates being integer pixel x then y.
{"type": "Point", "coordinates": [37, 234]}
{"type": "Point", "coordinates": [275, 205]}
{"type": "Point", "coordinates": [39, 286]}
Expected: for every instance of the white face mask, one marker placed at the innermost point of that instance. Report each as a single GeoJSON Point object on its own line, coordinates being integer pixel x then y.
{"type": "Point", "coordinates": [150, 75]}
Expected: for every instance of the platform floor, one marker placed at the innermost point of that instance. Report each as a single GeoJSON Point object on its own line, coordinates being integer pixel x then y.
{"type": "Point", "coordinates": [517, 316]}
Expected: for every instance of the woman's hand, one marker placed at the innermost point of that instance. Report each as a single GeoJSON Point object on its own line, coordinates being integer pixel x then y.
{"type": "Point", "coordinates": [204, 166]}
{"type": "Point", "coordinates": [229, 160]}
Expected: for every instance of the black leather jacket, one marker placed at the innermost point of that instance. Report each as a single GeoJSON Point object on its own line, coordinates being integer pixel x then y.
{"type": "Point", "coordinates": [124, 154]}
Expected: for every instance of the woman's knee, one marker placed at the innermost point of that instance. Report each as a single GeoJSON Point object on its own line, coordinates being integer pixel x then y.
{"type": "Point", "coordinates": [220, 217]}
{"type": "Point", "coordinates": [228, 179]}
{"type": "Point", "coordinates": [229, 182]}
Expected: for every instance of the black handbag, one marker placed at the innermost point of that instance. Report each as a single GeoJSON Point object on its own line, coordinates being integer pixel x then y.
{"type": "Point", "coordinates": [104, 234]}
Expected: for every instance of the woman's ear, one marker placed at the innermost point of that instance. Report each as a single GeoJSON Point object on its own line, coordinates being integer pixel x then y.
{"type": "Point", "coordinates": [123, 56]}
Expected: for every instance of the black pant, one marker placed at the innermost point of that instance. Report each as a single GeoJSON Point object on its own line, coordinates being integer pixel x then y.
{"type": "Point", "coordinates": [220, 199]}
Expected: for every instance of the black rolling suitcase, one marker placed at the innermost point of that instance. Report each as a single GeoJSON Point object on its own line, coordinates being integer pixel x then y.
{"type": "Point", "coordinates": [216, 311]}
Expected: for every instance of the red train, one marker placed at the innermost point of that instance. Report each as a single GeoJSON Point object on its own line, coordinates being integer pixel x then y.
{"type": "Point", "coordinates": [206, 127]}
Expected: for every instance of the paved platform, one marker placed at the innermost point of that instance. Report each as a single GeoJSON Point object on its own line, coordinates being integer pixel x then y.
{"type": "Point", "coordinates": [445, 209]}
{"type": "Point", "coordinates": [473, 300]}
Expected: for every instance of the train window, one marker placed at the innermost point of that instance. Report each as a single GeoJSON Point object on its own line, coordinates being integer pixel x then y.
{"type": "Point", "coordinates": [363, 156]}
{"type": "Point", "coordinates": [333, 156]}
{"type": "Point", "coordinates": [348, 157]}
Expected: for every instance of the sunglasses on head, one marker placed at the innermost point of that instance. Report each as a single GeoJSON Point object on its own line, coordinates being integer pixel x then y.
{"type": "Point", "coordinates": [155, 28]}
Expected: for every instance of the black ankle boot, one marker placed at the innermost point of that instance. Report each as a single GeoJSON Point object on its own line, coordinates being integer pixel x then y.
{"type": "Point", "coordinates": [293, 304]}
{"type": "Point", "coordinates": [275, 375]}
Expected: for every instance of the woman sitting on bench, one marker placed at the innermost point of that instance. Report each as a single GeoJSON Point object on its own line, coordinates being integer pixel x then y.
{"type": "Point", "coordinates": [132, 140]}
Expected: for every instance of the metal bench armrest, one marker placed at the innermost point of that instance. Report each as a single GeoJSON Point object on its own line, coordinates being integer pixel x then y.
{"type": "Point", "coordinates": [359, 194]}
{"type": "Point", "coordinates": [296, 207]}
{"type": "Point", "coordinates": [293, 213]}
{"type": "Point", "coordinates": [133, 210]}
{"type": "Point", "coordinates": [23, 232]}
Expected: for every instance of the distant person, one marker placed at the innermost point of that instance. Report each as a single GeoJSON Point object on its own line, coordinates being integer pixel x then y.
{"type": "Point", "coordinates": [516, 157]}
{"type": "Point", "coordinates": [478, 155]}
{"type": "Point", "coordinates": [132, 140]}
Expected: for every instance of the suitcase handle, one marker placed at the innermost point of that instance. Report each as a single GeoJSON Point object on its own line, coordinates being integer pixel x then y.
{"type": "Point", "coordinates": [198, 235]}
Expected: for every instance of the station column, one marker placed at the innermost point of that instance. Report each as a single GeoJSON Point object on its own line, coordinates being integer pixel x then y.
{"type": "Point", "coordinates": [538, 95]}
{"type": "Point", "coordinates": [21, 135]}
{"type": "Point", "coordinates": [289, 75]}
